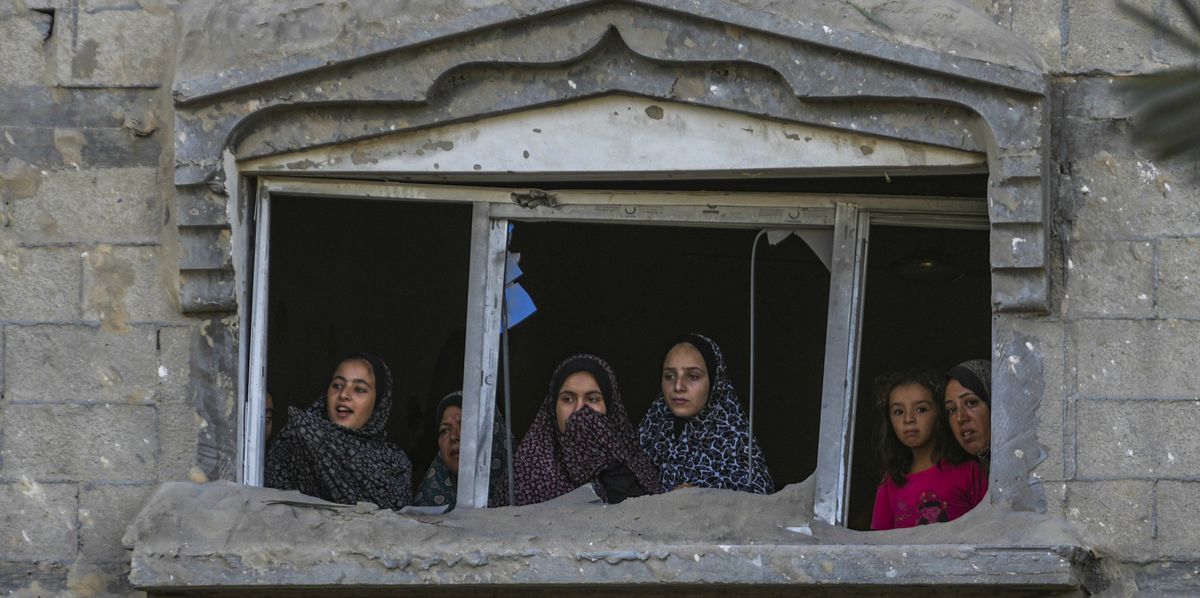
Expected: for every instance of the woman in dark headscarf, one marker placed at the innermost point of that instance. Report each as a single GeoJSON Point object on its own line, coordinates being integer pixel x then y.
{"type": "Point", "coordinates": [581, 434]}
{"type": "Point", "coordinates": [440, 484]}
{"type": "Point", "coordinates": [968, 400]}
{"type": "Point", "coordinates": [695, 432]}
{"type": "Point", "coordinates": [337, 449]}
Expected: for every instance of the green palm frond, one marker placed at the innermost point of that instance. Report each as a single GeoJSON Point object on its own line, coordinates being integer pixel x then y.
{"type": "Point", "coordinates": [1166, 104]}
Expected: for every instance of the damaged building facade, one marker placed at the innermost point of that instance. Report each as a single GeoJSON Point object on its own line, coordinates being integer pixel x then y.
{"type": "Point", "coordinates": [185, 185]}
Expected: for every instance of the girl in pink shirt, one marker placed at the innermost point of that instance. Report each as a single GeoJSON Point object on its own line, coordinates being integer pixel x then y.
{"type": "Point", "coordinates": [927, 477]}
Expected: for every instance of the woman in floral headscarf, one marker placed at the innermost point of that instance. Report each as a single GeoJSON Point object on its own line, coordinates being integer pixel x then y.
{"type": "Point", "coordinates": [695, 432]}
{"type": "Point", "coordinates": [439, 487]}
{"type": "Point", "coordinates": [580, 435]}
{"type": "Point", "coordinates": [337, 449]}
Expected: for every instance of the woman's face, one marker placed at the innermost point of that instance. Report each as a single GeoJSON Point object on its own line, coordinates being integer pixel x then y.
{"type": "Point", "coordinates": [350, 397]}
{"type": "Point", "coordinates": [579, 390]}
{"type": "Point", "coordinates": [685, 381]}
{"type": "Point", "coordinates": [448, 437]}
{"type": "Point", "coordinates": [970, 417]}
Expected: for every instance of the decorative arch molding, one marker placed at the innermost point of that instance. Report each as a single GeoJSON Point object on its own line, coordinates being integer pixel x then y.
{"type": "Point", "coordinates": [731, 55]}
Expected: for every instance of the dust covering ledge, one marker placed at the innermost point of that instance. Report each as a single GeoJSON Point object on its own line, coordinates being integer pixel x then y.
{"type": "Point", "coordinates": [225, 535]}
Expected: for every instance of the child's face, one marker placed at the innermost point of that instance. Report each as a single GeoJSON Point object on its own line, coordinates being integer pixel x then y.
{"type": "Point", "coordinates": [351, 394]}
{"type": "Point", "coordinates": [913, 415]}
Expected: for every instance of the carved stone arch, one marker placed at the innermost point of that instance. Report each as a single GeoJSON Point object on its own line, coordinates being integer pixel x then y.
{"type": "Point", "coordinates": [821, 68]}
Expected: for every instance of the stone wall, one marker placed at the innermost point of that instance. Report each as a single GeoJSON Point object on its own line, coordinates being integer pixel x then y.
{"type": "Point", "coordinates": [1122, 393]}
{"type": "Point", "coordinates": [96, 357]}
{"type": "Point", "coordinates": [94, 352]}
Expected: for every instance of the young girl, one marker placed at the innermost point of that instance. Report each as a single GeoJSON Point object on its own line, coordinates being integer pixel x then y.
{"type": "Point", "coordinates": [927, 477]}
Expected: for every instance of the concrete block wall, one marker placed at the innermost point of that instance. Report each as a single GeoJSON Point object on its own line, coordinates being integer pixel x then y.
{"type": "Point", "coordinates": [93, 350]}
{"type": "Point", "coordinates": [1127, 465]}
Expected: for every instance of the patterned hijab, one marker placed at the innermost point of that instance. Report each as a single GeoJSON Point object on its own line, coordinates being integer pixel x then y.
{"type": "Point", "coordinates": [549, 464]}
{"type": "Point", "coordinates": [440, 487]}
{"type": "Point", "coordinates": [329, 461]}
{"type": "Point", "coordinates": [708, 450]}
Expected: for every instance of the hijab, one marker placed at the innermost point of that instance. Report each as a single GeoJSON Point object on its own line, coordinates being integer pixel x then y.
{"type": "Point", "coordinates": [976, 376]}
{"type": "Point", "coordinates": [549, 464]}
{"type": "Point", "coordinates": [440, 486]}
{"type": "Point", "coordinates": [710, 449]}
{"type": "Point", "coordinates": [323, 459]}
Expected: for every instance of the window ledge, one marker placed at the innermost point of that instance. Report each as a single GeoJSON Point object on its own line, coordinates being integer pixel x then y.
{"type": "Point", "coordinates": [226, 538]}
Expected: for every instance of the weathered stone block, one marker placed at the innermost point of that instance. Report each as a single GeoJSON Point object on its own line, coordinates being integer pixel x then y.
{"type": "Point", "coordinates": [1018, 246]}
{"type": "Point", "coordinates": [44, 578]}
{"type": "Point", "coordinates": [178, 422]}
{"type": "Point", "coordinates": [205, 247]}
{"type": "Point", "coordinates": [105, 510]}
{"type": "Point", "coordinates": [1179, 277]}
{"type": "Point", "coordinates": [105, 578]}
{"type": "Point", "coordinates": [106, 205]}
{"type": "Point", "coordinates": [40, 283]}
{"type": "Point", "coordinates": [1137, 359]}
{"type": "Point", "coordinates": [1102, 37]}
{"type": "Point", "coordinates": [23, 105]}
{"type": "Point", "coordinates": [49, 148]}
{"type": "Point", "coordinates": [128, 284]}
{"type": "Point", "coordinates": [1116, 516]}
{"type": "Point", "coordinates": [1044, 338]}
{"type": "Point", "coordinates": [1179, 579]}
{"type": "Point", "coordinates": [1111, 278]}
{"type": "Point", "coordinates": [1094, 97]}
{"type": "Point", "coordinates": [66, 363]}
{"type": "Point", "coordinates": [117, 46]}
{"type": "Point", "coordinates": [37, 521]}
{"type": "Point", "coordinates": [80, 442]}
{"type": "Point", "coordinates": [1131, 197]}
{"type": "Point", "coordinates": [197, 205]}
{"type": "Point", "coordinates": [22, 54]}
{"type": "Point", "coordinates": [1178, 526]}
{"type": "Point", "coordinates": [1038, 23]}
{"type": "Point", "coordinates": [1138, 439]}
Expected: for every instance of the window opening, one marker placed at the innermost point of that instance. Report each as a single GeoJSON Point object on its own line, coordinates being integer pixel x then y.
{"type": "Point", "coordinates": [927, 302]}
{"type": "Point", "coordinates": [623, 291]}
{"type": "Point", "coordinates": [386, 277]}
{"type": "Point", "coordinates": [635, 243]}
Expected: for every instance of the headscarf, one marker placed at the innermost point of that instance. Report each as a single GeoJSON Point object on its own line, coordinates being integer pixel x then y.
{"type": "Point", "coordinates": [323, 459]}
{"type": "Point", "coordinates": [708, 450]}
{"type": "Point", "coordinates": [440, 486]}
{"type": "Point", "coordinates": [549, 464]}
{"type": "Point", "coordinates": [976, 376]}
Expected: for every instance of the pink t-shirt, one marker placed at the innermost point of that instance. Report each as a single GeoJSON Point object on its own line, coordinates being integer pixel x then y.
{"type": "Point", "coordinates": [941, 493]}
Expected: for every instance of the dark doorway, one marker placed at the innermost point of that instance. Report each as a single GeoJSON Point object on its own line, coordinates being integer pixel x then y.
{"type": "Point", "coordinates": [928, 303]}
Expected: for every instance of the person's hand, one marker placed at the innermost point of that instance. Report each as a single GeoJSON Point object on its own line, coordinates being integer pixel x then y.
{"type": "Point", "coordinates": [683, 485]}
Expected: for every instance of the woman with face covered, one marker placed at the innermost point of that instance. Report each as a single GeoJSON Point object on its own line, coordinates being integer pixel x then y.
{"type": "Point", "coordinates": [695, 432]}
{"type": "Point", "coordinates": [439, 487]}
{"type": "Point", "coordinates": [337, 449]}
{"type": "Point", "coordinates": [582, 435]}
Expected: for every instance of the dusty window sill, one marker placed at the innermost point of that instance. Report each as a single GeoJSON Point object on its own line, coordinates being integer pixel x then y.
{"type": "Point", "coordinates": [226, 539]}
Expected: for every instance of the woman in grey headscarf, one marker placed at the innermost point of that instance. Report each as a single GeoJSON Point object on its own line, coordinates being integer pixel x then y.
{"type": "Point", "coordinates": [967, 392]}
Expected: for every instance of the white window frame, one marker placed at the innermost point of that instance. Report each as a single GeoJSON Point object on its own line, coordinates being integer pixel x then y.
{"type": "Point", "coordinates": [849, 216]}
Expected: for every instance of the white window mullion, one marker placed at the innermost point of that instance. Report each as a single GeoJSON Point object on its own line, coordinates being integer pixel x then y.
{"type": "Point", "coordinates": [840, 386]}
{"type": "Point", "coordinates": [489, 239]}
{"type": "Point", "coordinates": [253, 413]}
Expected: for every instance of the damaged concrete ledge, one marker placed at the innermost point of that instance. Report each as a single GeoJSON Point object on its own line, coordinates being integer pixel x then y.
{"type": "Point", "coordinates": [223, 538]}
